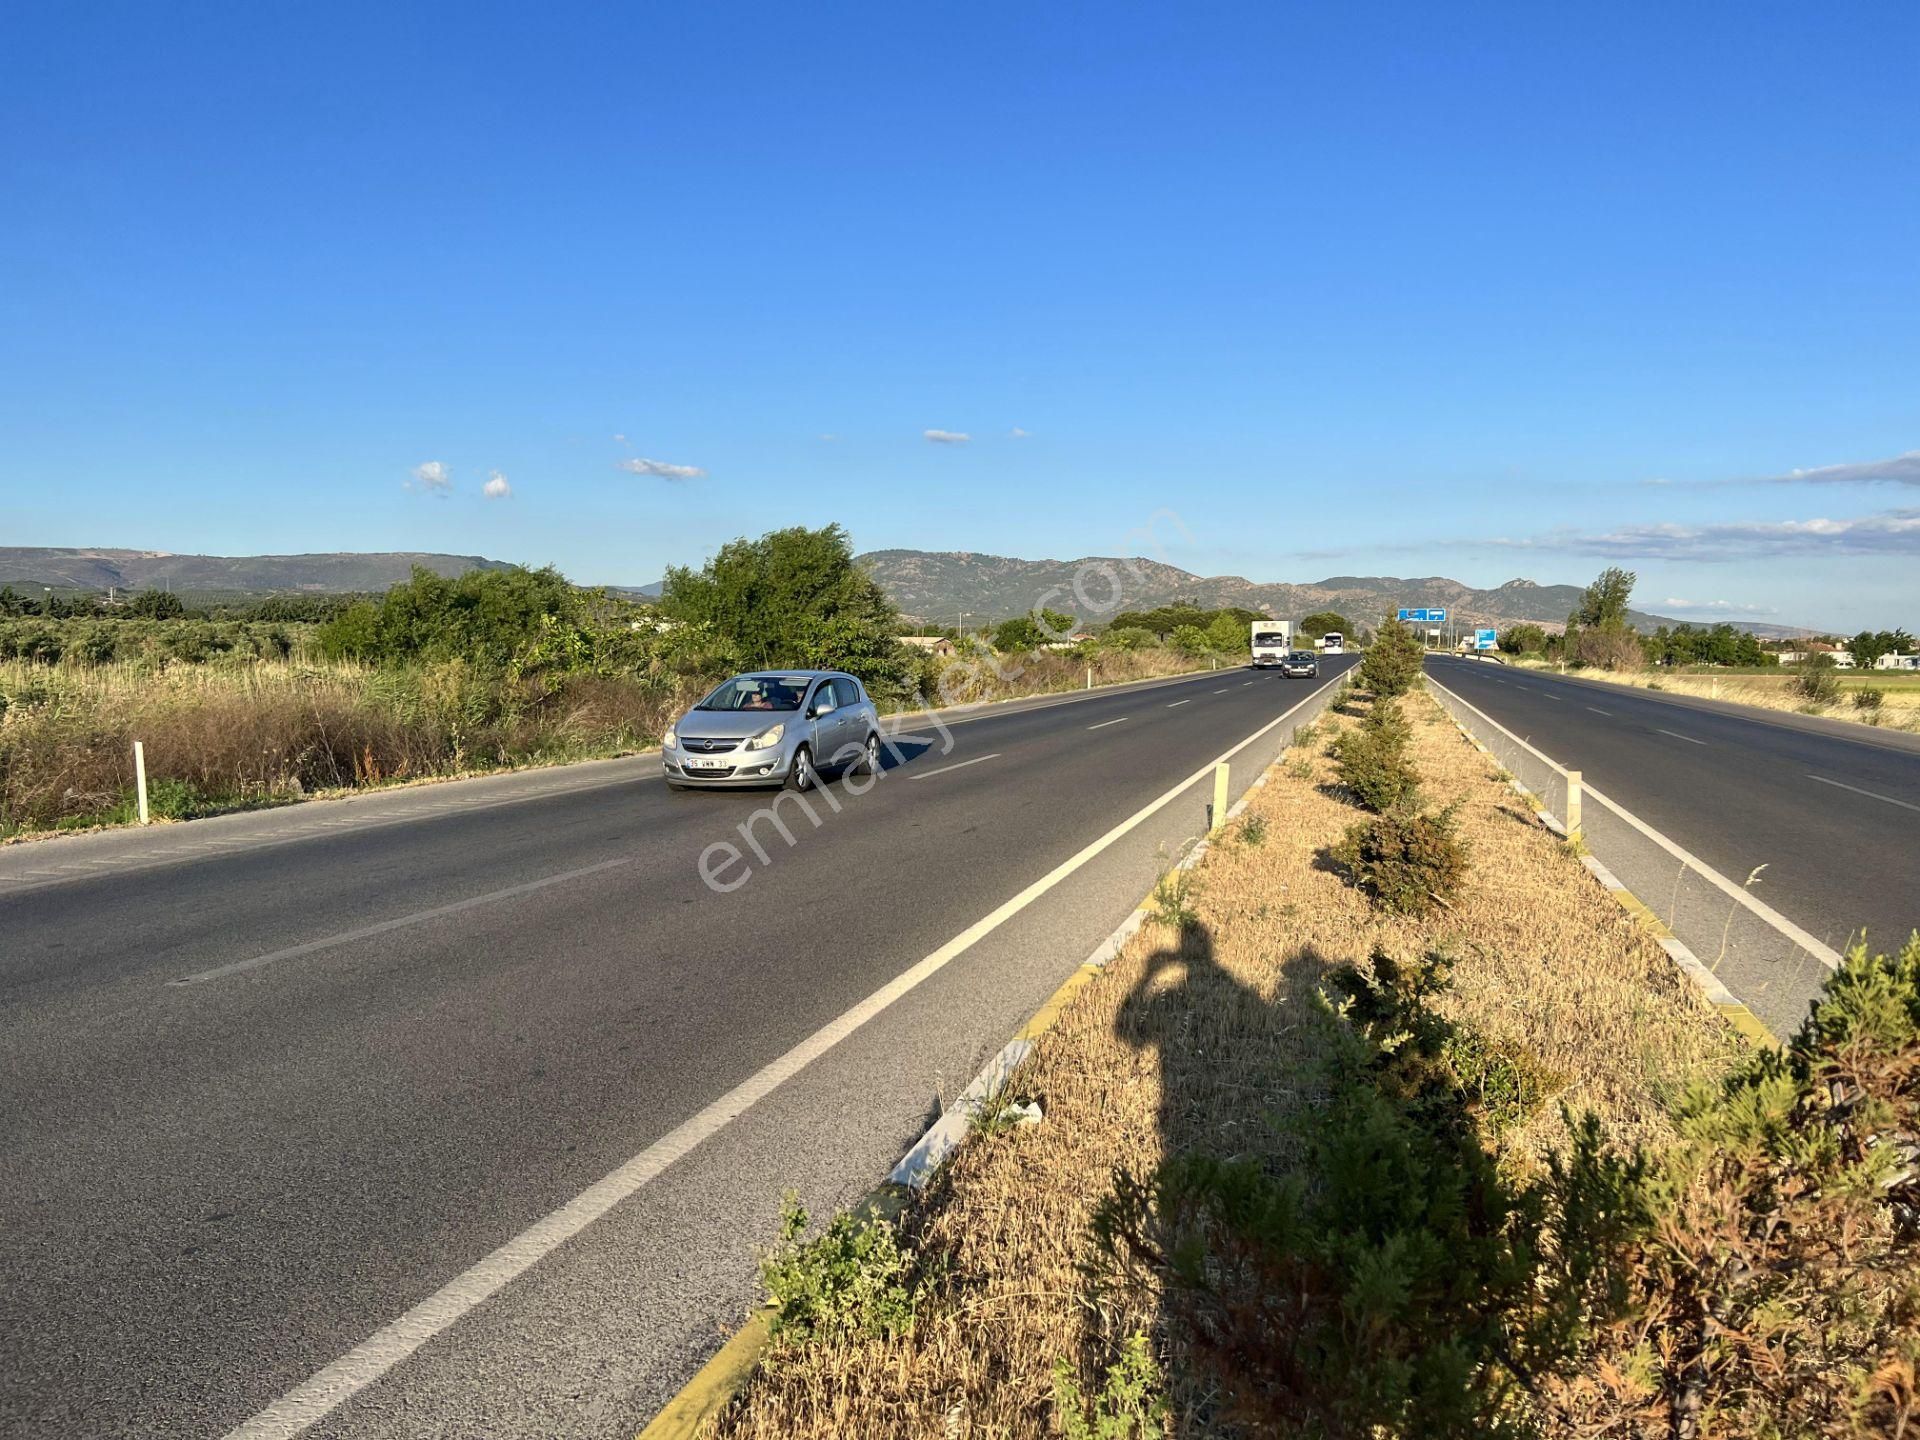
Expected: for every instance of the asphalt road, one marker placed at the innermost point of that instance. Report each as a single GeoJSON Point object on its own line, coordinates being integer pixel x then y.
{"type": "Point", "coordinates": [269, 1082]}
{"type": "Point", "coordinates": [1831, 810]}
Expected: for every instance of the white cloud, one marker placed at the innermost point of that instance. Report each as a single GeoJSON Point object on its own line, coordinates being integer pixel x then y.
{"type": "Point", "coordinates": [1900, 470]}
{"type": "Point", "coordinates": [1892, 532]}
{"type": "Point", "coordinates": [620, 439]}
{"type": "Point", "coordinates": [1714, 607]}
{"type": "Point", "coordinates": [829, 438]}
{"type": "Point", "coordinates": [947, 437]}
{"type": "Point", "coordinates": [496, 487]}
{"type": "Point", "coordinates": [1016, 433]}
{"type": "Point", "coordinates": [662, 469]}
{"type": "Point", "coordinates": [435, 477]}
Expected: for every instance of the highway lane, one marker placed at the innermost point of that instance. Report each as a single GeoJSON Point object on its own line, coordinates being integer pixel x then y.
{"type": "Point", "coordinates": [1834, 817]}
{"type": "Point", "coordinates": [448, 1027]}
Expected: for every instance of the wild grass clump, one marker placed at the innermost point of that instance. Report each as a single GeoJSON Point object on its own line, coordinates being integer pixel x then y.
{"type": "Point", "coordinates": [1405, 862]}
{"type": "Point", "coordinates": [1779, 1291]}
{"type": "Point", "coordinates": [1128, 1404]}
{"type": "Point", "coordinates": [1394, 1281]}
{"type": "Point", "coordinates": [1813, 680]}
{"type": "Point", "coordinates": [853, 1280]}
{"type": "Point", "coordinates": [1867, 699]}
{"type": "Point", "coordinates": [1372, 759]}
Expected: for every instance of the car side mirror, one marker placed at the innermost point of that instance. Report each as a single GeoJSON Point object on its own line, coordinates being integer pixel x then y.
{"type": "Point", "coordinates": [822, 707]}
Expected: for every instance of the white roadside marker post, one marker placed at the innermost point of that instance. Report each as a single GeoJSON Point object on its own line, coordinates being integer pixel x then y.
{"type": "Point", "coordinates": [1217, 812]}
{"type": "Point", "coordinates": [1089, 677]}
{"type": "Point", "coordinates": [140, 778]}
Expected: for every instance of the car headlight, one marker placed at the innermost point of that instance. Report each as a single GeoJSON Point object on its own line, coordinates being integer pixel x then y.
{"type": "Point", "coordinates": [766, 739]}
{"type": "Point", "coordinates": [670, 738]}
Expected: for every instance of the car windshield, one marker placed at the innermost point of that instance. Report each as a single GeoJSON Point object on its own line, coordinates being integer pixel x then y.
{"type": "Point", "coordinates": [1305, 657]}
{"type": "Point", "coordinates": [757, 692]}
{"type": "Point", "coordinates": [1269, 637]}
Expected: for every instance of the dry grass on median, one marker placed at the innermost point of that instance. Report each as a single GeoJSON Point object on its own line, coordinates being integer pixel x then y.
{"type": "Point", "coordinates": [1197, 1037]}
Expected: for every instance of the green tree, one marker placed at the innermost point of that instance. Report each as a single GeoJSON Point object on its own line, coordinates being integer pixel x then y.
{"type": "Point", "coordinates": [1392, 662]}
{"type": "Point", "coordinates": [1869, 645]}
{"type": "Point", "coordinates": [793, 597]}
{"type": "Point", "coordinates": [156, 605]}
{"type": "Point", "coordinates": [1226, 634]}
{"type": "Point", "coordinates": [1323, 622]}
{"type": "Point", "coordinates": [1523, 640]}
{"type": "Point", "coordinates": [1031, 631]}
{"type": "Point", "coordinates": [1189, 640]}
{"type": "Point", "coordinates": [1603, 606]}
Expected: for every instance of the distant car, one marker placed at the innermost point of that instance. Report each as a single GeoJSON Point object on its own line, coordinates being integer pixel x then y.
{"type": "Point", "coordinates": [774, 727]}
{"type": "Point", "coordinates": [1301, 662]}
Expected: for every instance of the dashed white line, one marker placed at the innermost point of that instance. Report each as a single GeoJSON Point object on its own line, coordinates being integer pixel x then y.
{"type": "Point", "coordinates": [1598, 711]}
{"type": "Point", "coordinates": [1678, 736]}
{"type": "Point", "coordinates": [957, 765]}
{"type": "Point", "coordinates": [1245, 683]}
{"type": "Point", "coordinates": [1223, 690]}
{"type": "Point", "coordinates": [1176, 704]}
{"type": "Point", "coordinates": [1871, 795]}
{"type": "Point", "coordinates": [1104, 723]}
{"type": "Point", "coordinates": [1550, 695]}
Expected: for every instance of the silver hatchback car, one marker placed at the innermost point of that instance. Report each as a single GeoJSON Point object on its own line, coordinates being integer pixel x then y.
{"type": "Point", "coordinates": [774, 727]}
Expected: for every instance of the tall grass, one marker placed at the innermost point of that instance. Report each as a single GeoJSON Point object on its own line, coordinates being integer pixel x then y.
{"type": "Point", "coordinates": [220, 738]}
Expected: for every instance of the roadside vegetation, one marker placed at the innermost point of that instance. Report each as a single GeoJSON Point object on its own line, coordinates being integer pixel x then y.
{"type": "Point", "coordinates": [490, 670]}
{"type": "Point", "coordinates": [1721, 662]}
{"type": "Point", "coordinates": [1316, 1164]}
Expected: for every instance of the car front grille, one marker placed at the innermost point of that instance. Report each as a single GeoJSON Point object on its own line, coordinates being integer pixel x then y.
{"type": "Point", "coordinates": [696, 746]}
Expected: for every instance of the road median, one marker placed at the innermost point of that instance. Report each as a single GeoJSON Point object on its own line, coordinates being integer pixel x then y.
{"type": "Point", "coordinates": [1241, 1038]}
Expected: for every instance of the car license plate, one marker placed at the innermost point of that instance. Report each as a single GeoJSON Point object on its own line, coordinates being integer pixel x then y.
{"type": "Point", "coordinates": [705, 765]}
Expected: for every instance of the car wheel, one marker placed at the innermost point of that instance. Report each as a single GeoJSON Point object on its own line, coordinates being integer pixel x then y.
{"type": "Point", "coordinates": [800, 773]}
{"type": "Point", "coordinates": [870, 762]}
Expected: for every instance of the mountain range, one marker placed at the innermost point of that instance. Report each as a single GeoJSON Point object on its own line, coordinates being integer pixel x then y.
{"type": "Point", "coordinates": [28, 568]}
{"type": "Point", "coordinates": [934, 587]}
{"type": "Point", "coordinates": [937, 586]}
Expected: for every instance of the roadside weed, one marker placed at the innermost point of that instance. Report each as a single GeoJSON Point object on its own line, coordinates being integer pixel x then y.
{"type": "Point", "coordinates": [1128, 1405]}
{"type": "Point", "coordinates": [852, 1280]}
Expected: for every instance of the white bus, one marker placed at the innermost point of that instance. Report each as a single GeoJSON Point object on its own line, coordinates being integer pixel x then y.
{"type": "Point", "coordinates": [1334, 643]}
{"type": "Point", "coordinates": [1271, 641]}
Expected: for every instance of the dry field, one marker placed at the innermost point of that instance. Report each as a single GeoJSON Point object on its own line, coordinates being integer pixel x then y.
{"type": "Point", "coordinates": [1899, 707]}
{"type": "Point", "coordinates": [234, 735]}
{"type": "Point", "coordinates": [1197, 1038]}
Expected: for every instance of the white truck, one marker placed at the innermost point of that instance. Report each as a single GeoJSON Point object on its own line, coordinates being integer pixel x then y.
{"type": "Point", "coordinates": [1271, 641]}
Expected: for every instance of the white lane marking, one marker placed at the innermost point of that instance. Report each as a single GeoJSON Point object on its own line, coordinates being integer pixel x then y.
{"type": "Point", "coordinates": [419, 917]}
{"type": "Point", "coordinates": [1550, 695]}
{"type": "Point", "coordinates": [1820, 951]}
{"type": "Point", "coordinates": [1223, 690]}
{"type": "Point", "coordinates": [1598, 711]}
{"type": "Point", "coordinates": [340, 1381]}
{"type": "Point", "coordinates": [1871, 795]}
{"type": "Point", "coordinates": [1245, 683]}
{"type": "Point", "coordinates": [1678, 736]}
{"type": "Point", "coordinates": [1176, 704]}
{"type": "Point", "coordinates": [957, 765]}
{"type": "Point", "coordinates": [1104, 723]}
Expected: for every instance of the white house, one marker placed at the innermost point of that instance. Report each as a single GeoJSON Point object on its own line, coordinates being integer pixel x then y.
{"type": "Point", "coordinates": [1897, 661]}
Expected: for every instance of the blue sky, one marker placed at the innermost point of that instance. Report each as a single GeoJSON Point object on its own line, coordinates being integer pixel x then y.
{"type": "Point", "coordinates": [1480, 291]}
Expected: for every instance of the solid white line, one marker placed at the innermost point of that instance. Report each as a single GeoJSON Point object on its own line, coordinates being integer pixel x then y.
{"type": "Point", "coordinates": [1820, 951]}
{"type": "Point", "coordinates": [1871, 795]}
{"type": "Point", "coordinates": [1177, 704]}
{"type": "Point", "coordinates": [1104, 723]}
{"type": "Point", "coordinates": [957, 765]}
{"type": "Point", "coordinates": [1598, 711]}
{"type": "Point", "coordinates": [346, 1377]}
{"type": "Point", "coordinates": [1678, 736]}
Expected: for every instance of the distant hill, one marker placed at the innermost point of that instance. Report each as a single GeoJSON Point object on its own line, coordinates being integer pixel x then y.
{"type": "Point", "coordinates": [335, 573]}
{"type": "Point", "coordinates": [936, 586]}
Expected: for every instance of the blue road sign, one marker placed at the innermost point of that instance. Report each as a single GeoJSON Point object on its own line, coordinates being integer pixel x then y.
{"type": "Point", "coordinates": [1429, 617]}
{"type": "Point", "coordinates": [1406, 614]}
{"type": "Point", "coordinates": [1485, 640]}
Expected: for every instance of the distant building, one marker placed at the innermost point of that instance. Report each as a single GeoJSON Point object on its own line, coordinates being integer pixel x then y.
{"type": "Point", "coordinates": [937, 644]}
{"type": "Point", "coordinates": [1897, 661]}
